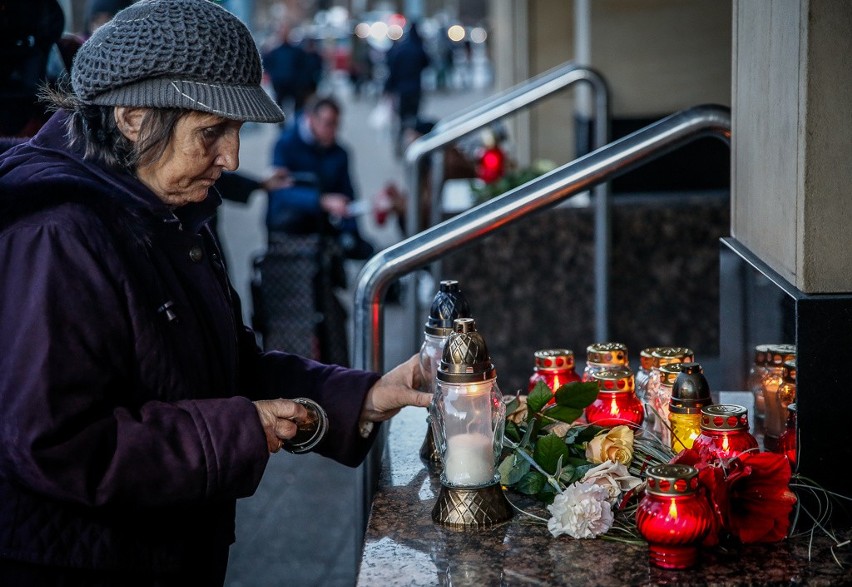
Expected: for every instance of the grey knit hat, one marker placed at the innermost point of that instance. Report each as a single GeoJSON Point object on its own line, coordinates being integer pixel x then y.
{"type": "Point", "coordinates": [188, 54]}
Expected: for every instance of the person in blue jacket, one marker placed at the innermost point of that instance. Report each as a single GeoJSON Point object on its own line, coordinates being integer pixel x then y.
{"type": "Point", "coordinates": [320, 199]}
{"type": "Point", "coordinates": [135, 406]}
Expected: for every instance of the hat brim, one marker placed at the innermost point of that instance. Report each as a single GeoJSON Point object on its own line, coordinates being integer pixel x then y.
{"type": "Point", "coordinates": [248, 103]}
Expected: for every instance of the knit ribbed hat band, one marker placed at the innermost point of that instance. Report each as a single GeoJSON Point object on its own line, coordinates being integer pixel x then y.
{"type": "Point", "coordinates": [235, 102]}
{"type": "Point", "coordinates": [188, 54]}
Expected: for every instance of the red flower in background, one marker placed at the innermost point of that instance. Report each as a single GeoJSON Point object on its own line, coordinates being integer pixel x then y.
{"type": "Point", "coordinates": [750, 495]}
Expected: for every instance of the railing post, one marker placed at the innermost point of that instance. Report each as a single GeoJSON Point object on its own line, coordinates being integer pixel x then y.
{"type": "Point", "coordinates": [478, 116]}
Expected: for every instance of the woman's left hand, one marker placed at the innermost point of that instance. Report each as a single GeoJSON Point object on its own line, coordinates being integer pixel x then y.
{"type": "Point", "coordinates": [395, 390]}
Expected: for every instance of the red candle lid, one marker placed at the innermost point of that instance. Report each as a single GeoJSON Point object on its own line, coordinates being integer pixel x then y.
{"type": "Point", "coordinates": [725, 417]}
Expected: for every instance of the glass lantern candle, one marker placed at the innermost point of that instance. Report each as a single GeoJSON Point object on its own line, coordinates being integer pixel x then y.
{"type": "Point", "coordinates": [772, 380]}
{"type": "Point", "coordinates": [788, 441]}
{"type": "Point", "coordinates": [603, 356]}
{"type": "Point", "coordinates": [755, 379]}
{"type": "Point", "coordinates": [724, 433]}
{"type": "Point", "coordinates": [554, 367]}
{"type": "Point", "coordinates": [690, 393]}
{"type": "Point", "coordinates": [468, 416]}
{"type": "Point", "coordinates": [646, 363]}
{"type": "Point", "coordinates": [667, 375]}
{"type": "Point", "coordinates": [787, 390]}
{"type": "Point", "coordinates": [673, 517]}
{"type": "Point", "coordinates": [662, 356]}
{"type": "Point", "coordinates": [616, 403]}
{"type": "Point", "coordinates": [448, 304]}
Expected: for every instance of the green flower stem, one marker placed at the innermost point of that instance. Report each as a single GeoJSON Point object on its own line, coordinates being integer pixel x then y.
{"type": "Point", "coordinates": [526, 513]}
{"type": "Point", "coordinates": [550, 478]}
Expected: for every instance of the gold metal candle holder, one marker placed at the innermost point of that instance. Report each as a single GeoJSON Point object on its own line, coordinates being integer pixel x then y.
{"type": "Point", "coordinates": [471, 508]}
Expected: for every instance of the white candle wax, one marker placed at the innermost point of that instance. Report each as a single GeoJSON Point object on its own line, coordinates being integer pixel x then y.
{"type": "Point", "coordinates": [469, 459]}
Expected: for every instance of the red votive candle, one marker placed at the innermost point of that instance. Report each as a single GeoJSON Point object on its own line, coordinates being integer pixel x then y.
{"type": "Point", "coordinates": [672, 517]}
{"type": "Point", "coordinates": [724, 433]}
{"type": "Point", "coordinates": [555, 367]}
{"type": "Point", "coordinates": [616, 403]}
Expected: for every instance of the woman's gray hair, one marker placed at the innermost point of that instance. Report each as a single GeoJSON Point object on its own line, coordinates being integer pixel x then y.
{"type": "Point", "coordinates": [92, 128]}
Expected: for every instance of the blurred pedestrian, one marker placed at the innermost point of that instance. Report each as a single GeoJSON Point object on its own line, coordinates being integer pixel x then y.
{"type": "Point", "coordinates": [286, 63]}
{"type": "Point", "coordinates": [100, 12]}
{"type": "Point", "coordinates": [30, 33]}
{"type": "Point", "coordinates": [312, 218]}
{"type": "Point", "coordinates": [135, 408]}
{"type": "Point", "coordinates": [406, 61]}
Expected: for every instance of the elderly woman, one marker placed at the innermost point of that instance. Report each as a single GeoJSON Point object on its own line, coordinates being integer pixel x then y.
{"type": "Point", "coordinates": [127, 426]}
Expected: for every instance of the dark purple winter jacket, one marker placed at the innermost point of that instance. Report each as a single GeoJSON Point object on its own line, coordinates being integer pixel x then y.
{"type": "Point", "coordinates": [126, 428]}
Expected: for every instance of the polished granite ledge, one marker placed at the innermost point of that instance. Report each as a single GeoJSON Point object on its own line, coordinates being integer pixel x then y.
{"type": "Point", "coordinates": [404, 547]}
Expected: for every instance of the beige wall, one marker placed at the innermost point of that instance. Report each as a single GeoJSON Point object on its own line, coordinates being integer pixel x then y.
{"type": "Point", "coordinates": [791, 139]}
{"type": "Point", "coordinates": [658, 56]}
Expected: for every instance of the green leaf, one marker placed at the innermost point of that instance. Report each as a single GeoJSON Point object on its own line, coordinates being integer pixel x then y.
{"type": "Point", "coordinates": [588, 433]}
{"type": "Point", "coordinates": [563, 413]}
{"type": "Point", "coordinates": [568, 474]}
{"type": "Point", "coordinates": [512, 431]}
{"type": "Point", "coordinates": [577, 394]}
{"type": "Point", "coordinates": [583, 469]}
{"type": "Point", "coordinates": [548, 451]}
{"type": "Point", "coordinates": [531, 483]}
{"type": "Point", "coordinates": [512, 469]}
{"type": "Point", "coordinates": [512, 405]}
{"type": "Point", "coordinates": [538, 398]}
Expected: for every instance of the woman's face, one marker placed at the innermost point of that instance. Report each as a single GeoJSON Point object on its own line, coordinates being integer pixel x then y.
{"type": "Point", "coordinates": [201, 148]}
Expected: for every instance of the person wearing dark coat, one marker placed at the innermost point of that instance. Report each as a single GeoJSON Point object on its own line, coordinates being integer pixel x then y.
{"type": "Point", "coordinates": [135, 407]}
{"type": "Point", "coordinates": [406, 61]}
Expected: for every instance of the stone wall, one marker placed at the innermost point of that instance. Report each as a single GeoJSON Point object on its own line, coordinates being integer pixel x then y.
{"type": "Point", "coordinates": [531, 285]}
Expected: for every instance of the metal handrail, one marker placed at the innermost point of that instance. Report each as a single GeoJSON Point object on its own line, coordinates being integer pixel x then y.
{"type": "Point", "coordinates": [494, 108]}
{"type": "Point", "coordinates": [475, 224]}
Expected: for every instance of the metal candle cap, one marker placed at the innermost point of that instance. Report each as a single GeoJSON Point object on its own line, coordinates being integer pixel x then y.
{"type": "Point", "coordinates": [780, 353]}
{"type": "Point", "coordinates": [465, 358]}
{"type": "Point", "coordinates": [608, 353]}
{"type": "Point", "coordinates": [447, 305]}
{"type": "Point", "coordinates": [672, 354]}
{"type": "Point", "coordinates": [672, 480]}
{"type": "Point", "coordinates": [615, 380]}
{"type": "Point", "coordinates": [724, 417]}
{"type": "Point", "coordinates": [690, 391]}
{"type": "Point", "coordinates": [669, 373]}
{"type": "Point", "coordinates": [554, 359]}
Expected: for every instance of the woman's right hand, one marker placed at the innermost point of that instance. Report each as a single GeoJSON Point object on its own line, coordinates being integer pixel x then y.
{"type": "Point", "coordinates": [279, 418]}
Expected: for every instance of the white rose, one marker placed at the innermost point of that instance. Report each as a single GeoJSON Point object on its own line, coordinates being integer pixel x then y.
{"type": "Point", "coordinates": [613, 477]}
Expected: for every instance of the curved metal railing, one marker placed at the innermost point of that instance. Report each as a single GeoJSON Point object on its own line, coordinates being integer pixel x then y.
{"type": "Point", "coordinates": [511, 101]}
{"type": "Point", "coordinates": [577, 176]}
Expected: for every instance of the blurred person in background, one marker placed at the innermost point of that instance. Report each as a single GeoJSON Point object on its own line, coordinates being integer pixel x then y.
{"type": "Point", "coordinates": [316, 213]}
{"type": "Point", "coordinates": [135, 407]}
{"type": "Point", "coordinates": [32, 52]}
{"type": "Point", "coordinates": [100, 12]}
{"type": "Point", "coordinates": [406, 61]}
{"type": "Point", "coordinates": [286, 64]}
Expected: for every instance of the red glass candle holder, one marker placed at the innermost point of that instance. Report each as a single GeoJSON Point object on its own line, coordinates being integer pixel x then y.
{"type": "Point", "coordinates": [555, 367]}
{"type": "Point", "coordinates": [672, 516]}
{"type": "Point", "coordinates": [616, 403]}
{"type": "Point", "coordinates": [724, 433]}
{"type": "Point", "coordinates": [787, 442]}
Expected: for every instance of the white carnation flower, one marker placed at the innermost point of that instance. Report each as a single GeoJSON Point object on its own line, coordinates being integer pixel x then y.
{"type": "Point", "coordinates": [581, 511]}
